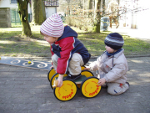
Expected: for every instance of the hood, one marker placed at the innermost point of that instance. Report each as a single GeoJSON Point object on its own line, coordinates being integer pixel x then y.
{"type": "Point", "coordinates": [68, 32]}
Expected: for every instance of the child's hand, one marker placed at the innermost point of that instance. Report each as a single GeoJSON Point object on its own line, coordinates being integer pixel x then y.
{"type": "Point", "coordinates": [86, 68]}
{"type": "Point", "coordinates": [51, 67]}
{"type": "Point", "coordinates": [60, 80]}
{"type": "Point", "coordinates": [101, 81]}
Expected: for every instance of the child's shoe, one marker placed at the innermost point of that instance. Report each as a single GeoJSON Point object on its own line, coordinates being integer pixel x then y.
{"type": "Point", "coordinates": [104, 85]}
{"type": "Point", "coordinates": [128, 84]}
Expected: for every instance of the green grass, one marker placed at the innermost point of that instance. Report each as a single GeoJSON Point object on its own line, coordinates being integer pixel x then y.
{"type": "Point", "coordinates": [95, 44]}
{"type": "Point", "coordinates": [16, 25]}
{"type": "Point", "coordinates": [14, 45]}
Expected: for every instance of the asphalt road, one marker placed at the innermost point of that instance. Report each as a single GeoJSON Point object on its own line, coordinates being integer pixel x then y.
{"type": "Point", "coordinates": [24, 90]}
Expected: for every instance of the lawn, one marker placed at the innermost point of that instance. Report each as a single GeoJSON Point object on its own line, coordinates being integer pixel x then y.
{"type": "Point", "coordinates": [14, 45]}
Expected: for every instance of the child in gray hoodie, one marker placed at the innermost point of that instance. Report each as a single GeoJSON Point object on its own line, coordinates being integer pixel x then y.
{"type": "Point", "coordinates": [112, 65]}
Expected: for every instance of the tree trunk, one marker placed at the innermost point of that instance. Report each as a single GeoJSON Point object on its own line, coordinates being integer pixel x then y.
{"type": "Point", "coordinates": [97, 16]}
{"type": "Point", "coordinates": [38, 12]}
{"type": "Point", "coordinates": [68, 7]}
{"type": "Point", "coordinates": [89, 7]}
{"type": "Point", "coordinates": [103, 7]}
{"type": "Point", "coordinates": [89, 4]}
{"type": "Point", "coordinates": [23, 13]}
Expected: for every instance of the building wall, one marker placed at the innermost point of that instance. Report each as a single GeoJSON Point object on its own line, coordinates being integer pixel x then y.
{"type": "Point", "coordinates": [143, 15]}
{"type": "Point", "coordinates": [50, 10]}
{"type": "Point", "coordinates": [7, 3]}
{"type": "Point", "coordinates": [5, 20]}
{"type": "Point", "coordinates": [137, 15]}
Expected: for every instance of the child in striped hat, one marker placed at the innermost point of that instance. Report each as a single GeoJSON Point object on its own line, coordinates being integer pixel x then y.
{"type": "Point", "coordinates": [112, 65]}
{"type": "Point", "coordinates": [68, 53]}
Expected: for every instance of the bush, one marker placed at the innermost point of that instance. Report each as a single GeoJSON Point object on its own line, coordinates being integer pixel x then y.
{"type": "Point", "coordinates": [82, 22]}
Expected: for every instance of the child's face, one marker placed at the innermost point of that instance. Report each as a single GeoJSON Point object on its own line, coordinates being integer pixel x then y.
{"type": "Point", "coordinates": [109, 49]}
{"type": "Point", "coordinates": [50, 39]}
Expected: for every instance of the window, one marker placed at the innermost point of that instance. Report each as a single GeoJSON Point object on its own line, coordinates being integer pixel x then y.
{"type": "Point", "coordinates": [51, 2]}
{"type": "Point", "coordinates": [13, 1]}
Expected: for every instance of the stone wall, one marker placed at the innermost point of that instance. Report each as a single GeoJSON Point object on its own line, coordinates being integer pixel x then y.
{"type": "Point", "coordinates": [5, 19]}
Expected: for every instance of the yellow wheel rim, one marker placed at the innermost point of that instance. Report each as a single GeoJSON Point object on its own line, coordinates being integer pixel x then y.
{"type": "Point", "coordinates": [87, 73]}
{"type": "Point", "coordinates": [51, 73]}
{"type": "Point", "coordinates": [54, 77]}
{"type": "Point", "coordinates": [90, 88]}
{"type": "Point", "coordinates": [66, 92]}
{"type": "Point", "coordinates": [82, 67]}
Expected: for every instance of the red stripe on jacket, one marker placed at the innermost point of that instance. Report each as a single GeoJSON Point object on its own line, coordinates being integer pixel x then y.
{"type": "Point", "coordinates": [66, 45]}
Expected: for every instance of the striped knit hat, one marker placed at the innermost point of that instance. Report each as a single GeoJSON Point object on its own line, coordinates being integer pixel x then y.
{"type": "Point", "coordinates": [53, 26]}
{"type": "Point", "coordinates": [114, 40]}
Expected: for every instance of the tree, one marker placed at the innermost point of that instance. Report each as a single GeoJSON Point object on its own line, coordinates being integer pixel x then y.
{"type": "Point", "coordinates": [89, 4]}
{"type": "Point", "coordinates": [97, 16]}
{"type": "Point", "coordinates": [68, 7]}
{"type": "Point", "coordinates": [23, 14]}
{"type": "Point", "coordinates": [38, 12]}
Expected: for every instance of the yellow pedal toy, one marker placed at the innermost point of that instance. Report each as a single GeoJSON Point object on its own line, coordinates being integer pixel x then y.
{"type": "Point", "coordinates": [67, 91]}
{"type": "Point", "coordinates": [52, 72]}
{"type": "Point", "coordinates": [87, 83]}
{"type": "Point", "coordinates": [55, 83]}
{"type": "Point", "coordinates": [90, 87]}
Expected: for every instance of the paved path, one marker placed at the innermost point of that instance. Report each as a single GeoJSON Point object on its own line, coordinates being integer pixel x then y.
{"type": "Point", "coordinates": [25, 90]}
{"type": "Point", "coordinates": [142, 34]}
